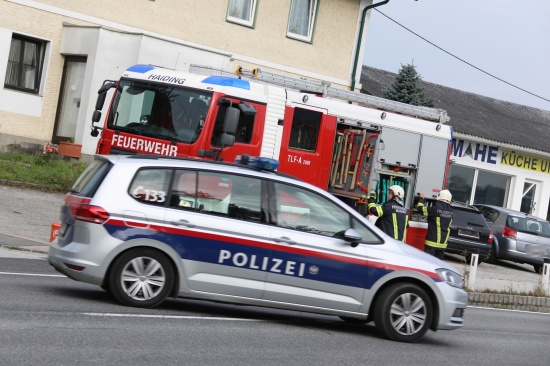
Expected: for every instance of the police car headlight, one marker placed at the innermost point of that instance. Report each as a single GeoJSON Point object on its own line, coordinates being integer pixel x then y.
{"type": "Point", "coordinates": [452, 278]}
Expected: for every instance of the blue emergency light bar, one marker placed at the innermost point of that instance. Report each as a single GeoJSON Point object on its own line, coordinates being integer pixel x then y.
{"type": "Point", "coordinates": [227, 81]}
{"type": "Point", "coordinates": [257, 162]}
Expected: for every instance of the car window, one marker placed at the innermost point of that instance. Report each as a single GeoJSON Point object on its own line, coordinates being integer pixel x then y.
{"type": "Point", "coordinates": [223, 194]}
{"type": "Point", "coordinates": [367, 236]}
{"type": "Point", "coordinates": [90, 180]}
{"type": "Point", "coordinates": [184, 190]}
{"type": "Point", "coordinates": [151, 186]}
{"type": "Point", "coordinates": [516, 223]}
{"type": "Point", "coordinates": [468, 217]}
{"type": "Point", "coordinates": [489, 214]}
{"type": "Point", "coordinates": [528, 225]}
{"type": "Point", "coordinates": [303, 210]}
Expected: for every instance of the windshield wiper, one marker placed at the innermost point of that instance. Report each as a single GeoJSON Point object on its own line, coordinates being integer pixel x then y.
{"type": "Point", "coordinates": [126, 129]}
{"type": "Point", "coordinates": [161, 136]}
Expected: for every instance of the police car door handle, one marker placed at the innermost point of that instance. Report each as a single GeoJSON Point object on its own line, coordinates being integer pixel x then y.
{"type": "Point", "coordinates": [182, 222]}
{"type": "Point", "coordinates": [284, 239]}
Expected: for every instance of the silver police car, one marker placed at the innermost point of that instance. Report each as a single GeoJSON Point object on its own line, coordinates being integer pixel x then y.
{"type": "Point", "coordinates": [148, 227]}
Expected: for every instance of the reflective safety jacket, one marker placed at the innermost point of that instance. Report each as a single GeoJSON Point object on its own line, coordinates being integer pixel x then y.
{"type": "Point", "coordinates": [440, 217]}
{"type": "Point", "coordinates": [393, 218]}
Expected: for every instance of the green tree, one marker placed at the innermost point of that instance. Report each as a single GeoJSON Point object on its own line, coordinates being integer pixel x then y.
{"type": "Point", "coordinates": [405, 88]}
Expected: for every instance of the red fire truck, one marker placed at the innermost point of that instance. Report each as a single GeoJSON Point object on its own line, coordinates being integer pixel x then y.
{"type": "Point", "coordinates": [311, 128]}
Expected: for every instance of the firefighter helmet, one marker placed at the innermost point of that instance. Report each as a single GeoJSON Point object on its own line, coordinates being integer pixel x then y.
{"type": "Point", "coordinates": [397, 191]}
{"type": "Point", "coordinates": [444, 195]}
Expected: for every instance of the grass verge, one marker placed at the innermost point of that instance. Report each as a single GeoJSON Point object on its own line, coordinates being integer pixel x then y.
{"type": "Point", "coordinates": [45, 172]}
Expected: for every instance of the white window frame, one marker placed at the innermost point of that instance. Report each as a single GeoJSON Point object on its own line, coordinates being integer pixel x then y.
{"type": "Point", "coordinates": [233, 5]}
{"type": "Point", "coordinates": [311, 12]}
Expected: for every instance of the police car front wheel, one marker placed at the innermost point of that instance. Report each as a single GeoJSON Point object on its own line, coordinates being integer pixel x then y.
{"type": "Point", "coordinates": [142, 278]}
{"type": "Point", "coordinates": [403, 312]}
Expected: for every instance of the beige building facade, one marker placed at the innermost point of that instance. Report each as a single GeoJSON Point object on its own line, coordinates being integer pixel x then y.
{"type": "Point", "coordinates": [55, 54]}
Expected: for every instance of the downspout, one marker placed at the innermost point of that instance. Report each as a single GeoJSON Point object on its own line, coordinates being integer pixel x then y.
{"type": "Point", "coordinates": [360, 38]}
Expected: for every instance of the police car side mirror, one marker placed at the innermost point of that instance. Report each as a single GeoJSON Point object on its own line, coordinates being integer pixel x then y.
{"type": "Point", "coordinates": [353, 237]}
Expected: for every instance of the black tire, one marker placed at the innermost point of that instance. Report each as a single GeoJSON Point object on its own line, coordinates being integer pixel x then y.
{"type": "Point", "coordinates": [403, 312]}
{"type": "Point", "coordinates": [105, 286]}
{"type": "Point", "coordinates": [141, 278]}
{"type": "Point", "coordinates": [493, 258]}
{"type": "Point", "coordinates": [537, 268]}
{"type": "Point", "coordinates": [353, 320]}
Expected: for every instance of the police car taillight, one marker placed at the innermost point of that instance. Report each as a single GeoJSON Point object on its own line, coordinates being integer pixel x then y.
{"type": "Point", "coordinates": [88, 213]}
{"type": "Point", "coordinates": [257, 162]}
{"type": "Point", "coordinates": [490, 240]}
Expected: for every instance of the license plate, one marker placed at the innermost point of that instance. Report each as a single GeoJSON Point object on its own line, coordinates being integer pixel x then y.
{"type": "Point", "coordinates": [468, 233]}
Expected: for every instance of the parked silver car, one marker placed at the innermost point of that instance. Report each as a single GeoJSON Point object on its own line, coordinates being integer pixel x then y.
{"type": "Point", "coordinates": [149, 227]}
{"type": "Point", "coordinates": [518, 237]}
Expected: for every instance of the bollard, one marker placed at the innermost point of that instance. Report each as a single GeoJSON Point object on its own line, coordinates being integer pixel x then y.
{"type": "Point", "coordinates": [54, 231]}
{"type": "Point", "coordinates": [474, 258]}
{"type": "Point", "coordinates": [545, 274]}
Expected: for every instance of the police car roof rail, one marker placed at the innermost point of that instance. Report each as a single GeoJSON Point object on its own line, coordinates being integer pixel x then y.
{"type": "Point", "coordinates": [324, 88]}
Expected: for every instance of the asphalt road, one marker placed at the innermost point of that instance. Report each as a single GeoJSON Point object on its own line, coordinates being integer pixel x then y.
{"type": "Point", "coordinates": [48, 319]}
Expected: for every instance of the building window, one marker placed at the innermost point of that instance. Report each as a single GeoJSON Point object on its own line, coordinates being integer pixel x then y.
{"type": "Point", "coordinates": [302, 19]}
{"type": "Point", "coordinates": [242, 12]}
{"type": "Point", "coordinates": [25, 63]}
{"type": "Point", "coordinates": [474, 186]}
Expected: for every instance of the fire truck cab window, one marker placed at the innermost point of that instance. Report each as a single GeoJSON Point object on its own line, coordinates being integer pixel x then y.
{"type": "Point", "coordinates": [245, 127]}
{"type": "Point", "coordinates": [305, 129]}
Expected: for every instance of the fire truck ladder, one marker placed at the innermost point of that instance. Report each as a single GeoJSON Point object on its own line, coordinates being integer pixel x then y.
{"type": "Point", "coordinates": [324, 88]}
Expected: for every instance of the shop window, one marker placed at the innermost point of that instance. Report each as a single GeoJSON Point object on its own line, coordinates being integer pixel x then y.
{"type": "Point", "coordinates": [461, 180]}
{"type": "Point", "coordinates": [241, 12]}
{"type": "Point", "coordinates": [491, 188]}
{"type": "Point", "coordinates": [305, 129]}
{"type": "Point", "coordinates": [25, 62]}
{"type": "Point", "coordinates": [474, 186]}
{"type": "Point", "coordinates": [302, 19]}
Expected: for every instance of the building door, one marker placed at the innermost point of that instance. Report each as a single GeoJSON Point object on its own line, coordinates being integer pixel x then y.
{"type": "Point", "coordinates": [529, 197]}
{"type": "Point", "coordinates": [68, 107]}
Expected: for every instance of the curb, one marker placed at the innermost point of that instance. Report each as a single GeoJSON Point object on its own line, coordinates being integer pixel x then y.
{"type": "Point", "coordinates": [509, 301]}
{"type": "Point", "coordinates": [26, 185]}
{"type": "Point", "coordinates": [43, 249]}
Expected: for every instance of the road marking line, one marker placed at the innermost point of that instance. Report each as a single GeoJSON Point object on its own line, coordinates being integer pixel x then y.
{"type": "Point", "coordinates": [30, 274]}
{"type": "Point", "coordinates": [512, 310]}
{"type": "Point", "coordinates": [171, 317]}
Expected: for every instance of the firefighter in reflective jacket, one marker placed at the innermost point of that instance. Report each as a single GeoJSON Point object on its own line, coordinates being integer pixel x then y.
{"type": "Point", "coordinates": [440, 216]}
{"type": "Point", "coordinates": [393, 217]}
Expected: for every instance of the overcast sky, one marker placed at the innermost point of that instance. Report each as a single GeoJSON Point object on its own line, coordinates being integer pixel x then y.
{"type": "Point", "coordinates": [509, 39]}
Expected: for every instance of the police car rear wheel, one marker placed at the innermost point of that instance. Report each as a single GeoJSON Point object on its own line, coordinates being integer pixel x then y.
{"type": "Point", "coordinates": [403, 312]}
{"type": "Point", "coordinates": [141, 278]}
